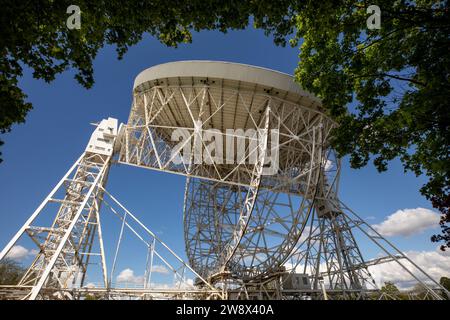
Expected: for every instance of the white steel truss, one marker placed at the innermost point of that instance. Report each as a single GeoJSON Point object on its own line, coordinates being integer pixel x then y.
{"type": "Point", "coordinates": [247, 233]}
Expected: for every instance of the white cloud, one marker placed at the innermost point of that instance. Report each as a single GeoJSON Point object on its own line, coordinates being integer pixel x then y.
{"type": "Point", "coordinates": [127, 275]}
{"type": "Point", "coordinates": [19, 253]}
{"type": "Point", "coordinates": [407, 222]}
{"type": "Point", "coordinates": [184, 284]}
{"type": "Point", "coordinates": [328, 165]}
{"type": "Point", "coordinates": [435, 263]}
{"type": "Point", "coordinates": [187, 283]}
{"type": "Point", "coordinates": [307, 233]}
{"type": "Point", "coordinates": [160, 269]}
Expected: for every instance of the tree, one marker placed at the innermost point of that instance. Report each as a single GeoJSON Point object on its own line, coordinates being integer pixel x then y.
{"type": "Point", "coordinates": [388, 88]}
{"type": "Point", "coordinates": [419, 291]}
{"type": "Point", "coordinates": [390, 288]}
{"type": "Point", "coordinates": [445, 282]}
{"type": "Point", "coordinates": [10, 272]}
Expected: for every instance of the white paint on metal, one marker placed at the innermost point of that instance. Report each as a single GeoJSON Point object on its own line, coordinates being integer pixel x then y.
{"type": "Point", "coordinates": [103, 138]}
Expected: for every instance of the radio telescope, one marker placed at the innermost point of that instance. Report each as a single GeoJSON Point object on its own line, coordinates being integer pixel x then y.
{"type": "Point", "coordinates": [254, 220]}
{"type": "Point", "coordinates": [261, 207]}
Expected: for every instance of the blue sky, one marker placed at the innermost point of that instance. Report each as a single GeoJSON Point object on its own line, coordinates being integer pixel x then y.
{"type": "Point", "coordinates": [36, 154]}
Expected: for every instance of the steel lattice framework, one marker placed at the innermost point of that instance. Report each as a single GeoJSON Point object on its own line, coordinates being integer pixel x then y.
{"type": "Point", "coordinates": [257, 222]}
